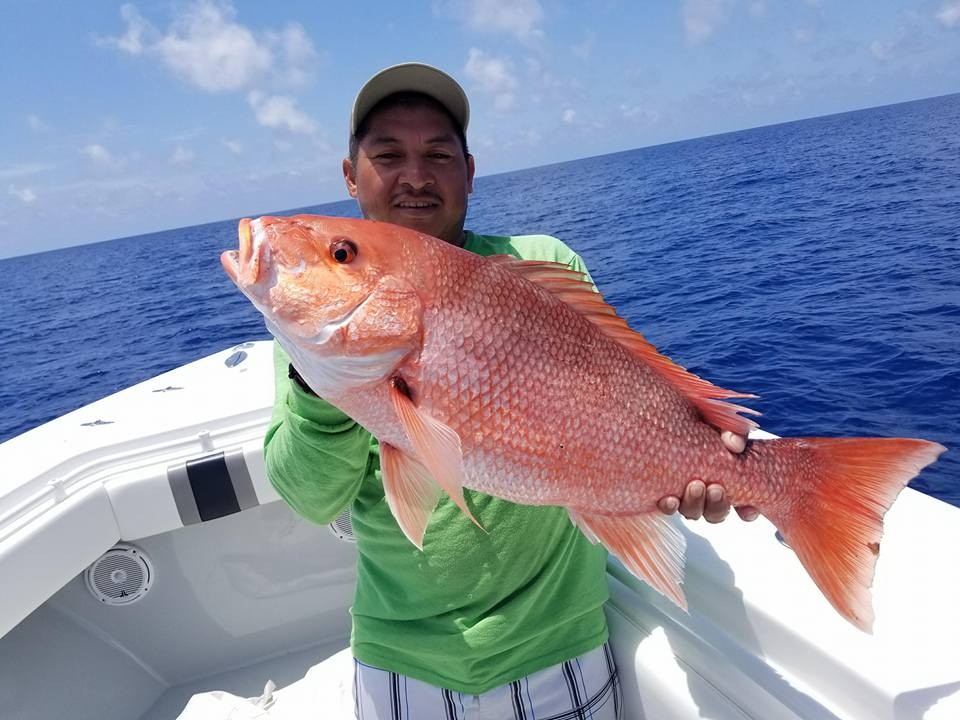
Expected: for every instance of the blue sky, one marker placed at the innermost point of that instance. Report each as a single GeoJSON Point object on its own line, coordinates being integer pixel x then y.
{"type": "Point", "coordinates": [120, 119]}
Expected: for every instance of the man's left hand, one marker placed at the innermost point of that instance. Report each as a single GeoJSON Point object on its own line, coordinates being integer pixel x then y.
{"type": "Point", "coordinates": [709, 501]}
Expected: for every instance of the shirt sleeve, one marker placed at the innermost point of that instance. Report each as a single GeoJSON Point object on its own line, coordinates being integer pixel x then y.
{"type": "Point", "coordinates": [316, 456]}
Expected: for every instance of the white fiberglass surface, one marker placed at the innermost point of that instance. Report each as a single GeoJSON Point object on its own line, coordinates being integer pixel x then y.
{"type": "Point", "coordinates": [247, 588]}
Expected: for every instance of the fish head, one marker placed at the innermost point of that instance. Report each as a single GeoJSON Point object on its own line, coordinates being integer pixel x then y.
{"type": "Point", "coordinates": [333, 293]}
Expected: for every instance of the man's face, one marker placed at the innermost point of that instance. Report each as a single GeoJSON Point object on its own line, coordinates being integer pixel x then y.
{"type": "Point", "coordinates": [411, 171]}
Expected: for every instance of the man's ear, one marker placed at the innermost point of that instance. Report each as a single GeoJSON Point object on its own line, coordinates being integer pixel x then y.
{"type": "Point", "coordinates": [471, 169]}
{"type": "Point", "coordinates": [350, 177]}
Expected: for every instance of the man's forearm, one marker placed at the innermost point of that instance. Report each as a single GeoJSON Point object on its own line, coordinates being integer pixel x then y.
{"type": "Point", "coordinates": [316, 456]}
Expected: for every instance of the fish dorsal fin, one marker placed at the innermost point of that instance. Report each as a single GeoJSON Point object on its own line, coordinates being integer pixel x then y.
{"type": "Point", "coordinates": [576, 290]}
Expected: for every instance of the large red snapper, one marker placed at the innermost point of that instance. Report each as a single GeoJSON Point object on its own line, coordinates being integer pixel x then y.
{"type": "Point", "coordinates": [516, 379]}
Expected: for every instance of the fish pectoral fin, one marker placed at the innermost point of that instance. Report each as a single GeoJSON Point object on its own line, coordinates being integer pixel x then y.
{"type": "Point", "coordinates": [437, 445]}
{"type": "Point", "coordinates": [648, 545]}
{"type": "Point", "coordinates": [411, 492]}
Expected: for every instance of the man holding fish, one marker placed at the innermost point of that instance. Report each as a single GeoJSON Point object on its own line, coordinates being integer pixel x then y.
{"type": "Point", "coordinates": [501, 622]}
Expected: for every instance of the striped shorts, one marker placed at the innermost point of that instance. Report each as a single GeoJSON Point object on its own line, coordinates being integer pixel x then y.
{"type": "Point", "coordinates": [584, 688]}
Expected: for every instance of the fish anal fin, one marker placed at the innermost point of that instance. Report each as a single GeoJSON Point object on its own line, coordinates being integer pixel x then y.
{"type": "Point", "coordinates": [575, 289]}
{"type": "Point", "coordinates": [648, 545]}
{"type": "Point", "coordinates": [437, 446]}
{"type": "Point", "coordinates": [411, 492]}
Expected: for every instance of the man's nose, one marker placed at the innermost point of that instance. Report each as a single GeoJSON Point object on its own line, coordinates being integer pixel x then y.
{"type": "Point", "coordinates": [416, 174]}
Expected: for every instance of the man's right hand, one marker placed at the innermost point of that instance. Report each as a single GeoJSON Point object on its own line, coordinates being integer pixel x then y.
{"type": "Point", "coordinates": [709, 501]}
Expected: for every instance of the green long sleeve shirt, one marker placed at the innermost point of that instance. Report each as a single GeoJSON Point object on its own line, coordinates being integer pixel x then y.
{"type": "Point", "coordinates": [473, 610]}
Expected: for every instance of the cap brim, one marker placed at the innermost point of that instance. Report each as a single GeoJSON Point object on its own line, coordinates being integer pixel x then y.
{"type": "Point", "coordinates": [411, 77]}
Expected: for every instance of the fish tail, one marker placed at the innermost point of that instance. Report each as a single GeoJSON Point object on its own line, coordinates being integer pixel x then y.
{"type": "Point", "coordinates": [835, 529]}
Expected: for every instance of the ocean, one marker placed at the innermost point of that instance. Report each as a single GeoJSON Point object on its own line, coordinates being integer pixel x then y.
{"type": "Point", "coordinates": [815, 263]}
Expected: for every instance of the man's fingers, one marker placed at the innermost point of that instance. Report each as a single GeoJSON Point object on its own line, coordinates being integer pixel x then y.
{"type": "Point", "coordinates": [733, 442]}
{"type": "Point", "coordinates": [668, 505]}
{"type": "Point", "coordinates": [704, 501]}
{"type": "Point", "coordinates": [691, 504]}
{"type": "Point", "coordinates": [717, 507]}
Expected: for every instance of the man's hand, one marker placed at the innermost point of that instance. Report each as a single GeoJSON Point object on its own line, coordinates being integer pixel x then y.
{"type": "Point", "coordinates": [709, 501]}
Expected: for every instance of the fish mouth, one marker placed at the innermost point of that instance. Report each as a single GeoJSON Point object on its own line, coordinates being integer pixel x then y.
{"type": "Point", "coordinates": [230, 259]}
{"type": "Point", "coordinates": [243, 266]}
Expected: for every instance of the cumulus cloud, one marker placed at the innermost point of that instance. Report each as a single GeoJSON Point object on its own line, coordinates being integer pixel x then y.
{"type": "Point", "coordinates": [101, 156]}
{"type": "Point", "coordinates": [233, 146]}
{"type": "Point", "coordinates": [569, 116]}
{"type": "Point", "coordinates": [949, 13]}
{"type": "Point", "coordinates": [494, 76]}
{"type": "Point", "coordinates": [280, 112]}
{"type": "Point", "coordinates": [24, 195]}
{"type": "Point", "coordinates": [297, 51]}
{"type": "Point", "coordinates": [520, 18]}
{"type": "Point", "coordinates": [701, 18]}
{"type": "Point", "coordinates": [206, 47]}
{"type": "Point", "coordinates": [132, 40]}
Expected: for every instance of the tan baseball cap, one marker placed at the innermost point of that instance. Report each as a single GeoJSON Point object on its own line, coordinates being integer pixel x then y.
{"type": "Point", "coordinates": [415, 77]}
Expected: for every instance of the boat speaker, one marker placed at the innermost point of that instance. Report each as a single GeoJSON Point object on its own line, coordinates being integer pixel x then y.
{"type": "Point", "coordinates": [121, 576]}
{"type": "Point", "coordinates": [342, 528]}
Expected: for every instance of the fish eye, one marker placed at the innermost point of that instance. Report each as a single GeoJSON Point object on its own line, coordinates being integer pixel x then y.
{"type": "Point", "coordinates": [343, 250]}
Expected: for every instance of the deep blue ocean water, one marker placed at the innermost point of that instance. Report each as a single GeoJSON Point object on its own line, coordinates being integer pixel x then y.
{"type": "Point", "coordinates": [816, 263]}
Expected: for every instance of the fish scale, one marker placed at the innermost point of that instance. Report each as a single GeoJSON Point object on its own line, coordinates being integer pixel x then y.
{"type": "Point", "coordinates": [515, 379]}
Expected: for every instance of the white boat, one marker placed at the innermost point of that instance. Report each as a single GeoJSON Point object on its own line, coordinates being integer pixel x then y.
{"type": "Point", "coordinates": [149, 569]}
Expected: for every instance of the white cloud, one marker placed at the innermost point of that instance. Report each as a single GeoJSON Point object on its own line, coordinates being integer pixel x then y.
{"type": "Point", "coordinates": [569, 116]}
{"type": "Point", "coordinates": [233, 146]}
{"type": "Point", "coordinates": [101, 156]}
{"type": "Point", "coordinates": [280, 112]}
{"type": "Point", "coordinates": [638, 113]}
{"type": "Point", "coordinates": [298, 53]}
{"type": "Point", "coordinates": [12, 172]}
{"type": "Point", "coordinates": [881, 50]}
{"type": "Point", "coordinates": [520, 18]}
{"type": "Point", "coordinates": [132, 40]}
{"type": "Point", "coordinates": [24, 195]}
{"type": "Point", "coordinates": [701, 18]}
{"type": "Point", "coordinates": [207, 48]}
{"type": "Point", "coordinates": [182, 156]}
{"type": "Point", "coordinates": [494, 76]}
{"type": "Point", "coordinates": [949, 13]}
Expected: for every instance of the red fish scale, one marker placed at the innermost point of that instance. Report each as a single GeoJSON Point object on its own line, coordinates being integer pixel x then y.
{"type": "Point", "coordinates": [549, 410]}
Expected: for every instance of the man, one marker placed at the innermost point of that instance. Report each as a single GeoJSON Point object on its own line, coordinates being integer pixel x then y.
{"type": "Point", "coordinates": [507, 624]}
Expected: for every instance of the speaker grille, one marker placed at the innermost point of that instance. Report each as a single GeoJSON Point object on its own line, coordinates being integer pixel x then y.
{"type": "Point", "coordinates": [342, 527]}
{"type": "Point", "coordinates": [121, 576]}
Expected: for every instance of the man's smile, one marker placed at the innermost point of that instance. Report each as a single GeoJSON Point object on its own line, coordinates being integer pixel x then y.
{"type": "Point", "coordinates": [416, 204]}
